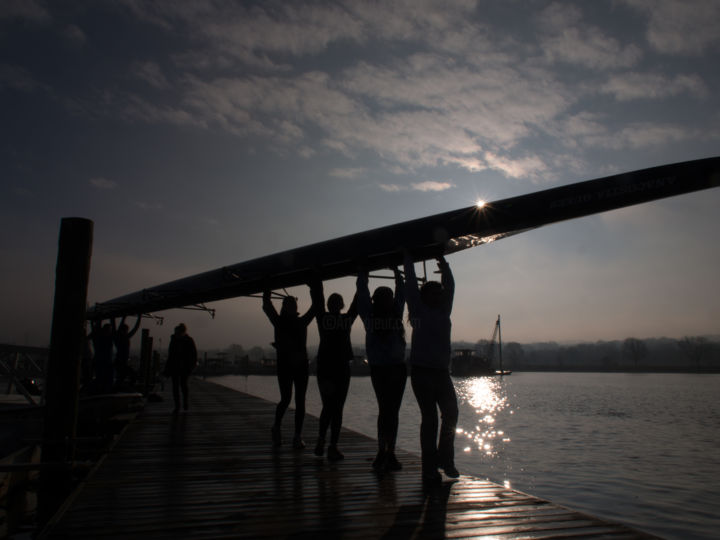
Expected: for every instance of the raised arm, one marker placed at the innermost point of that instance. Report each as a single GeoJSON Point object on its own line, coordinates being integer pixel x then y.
{"type": "Point", "coordinates": [412, 293]}
{"type": "Point", "coordinates": [269, 308]}
{"type": "Point", "coordinates": [399, 291]}
{"type": "Point", "coordinates": [448, 282]}
{"type": "Point", "coordinates": [311, 312]}
{"type": "Point", "coordinates": [136, 326]}
{"type": "Point", "coordinates": [362, 296]}
{"type": "Point", "coordinates": [317, 295]}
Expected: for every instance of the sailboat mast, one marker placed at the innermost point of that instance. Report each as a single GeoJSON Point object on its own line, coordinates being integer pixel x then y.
{"type": "Point", "coordinates": [499, 331]}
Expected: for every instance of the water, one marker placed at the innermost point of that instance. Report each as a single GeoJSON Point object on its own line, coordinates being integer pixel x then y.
{"type": "Point", "coordinates": [642, 449]}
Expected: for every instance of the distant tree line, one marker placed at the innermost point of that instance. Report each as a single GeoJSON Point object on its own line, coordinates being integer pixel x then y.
{"type": "Point", "coordinates": [689, 354]}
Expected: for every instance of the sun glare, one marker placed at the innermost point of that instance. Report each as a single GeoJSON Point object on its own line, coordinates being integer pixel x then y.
{"type": "Point", "coordinates": [480, 203]}
{"type": "Point", "coordinates": [487, 396]}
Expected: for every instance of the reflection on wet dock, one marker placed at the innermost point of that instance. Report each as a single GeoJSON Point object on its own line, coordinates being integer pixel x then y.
{"type": "Point", "coordinates": [211, 473]}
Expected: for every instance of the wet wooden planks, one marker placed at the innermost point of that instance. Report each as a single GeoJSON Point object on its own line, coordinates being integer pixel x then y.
{"type": "Point", "coordinates": [211, 473]}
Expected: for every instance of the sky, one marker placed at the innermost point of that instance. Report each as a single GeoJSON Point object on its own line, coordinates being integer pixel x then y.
{"type": "Point", "coordinates": [197, 135]}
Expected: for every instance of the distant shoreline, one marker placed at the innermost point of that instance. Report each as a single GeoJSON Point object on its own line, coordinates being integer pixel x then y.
{"type": "Point", "coordinates": [271, 372]}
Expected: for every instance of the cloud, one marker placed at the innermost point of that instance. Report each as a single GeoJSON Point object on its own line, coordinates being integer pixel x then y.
{"type": "Point", "coordinates": [151, 73]}
{"type": "Point", "coordinates": [136, 108]}
{"type": "Point", "coordinates": [590, 49]}
{"type": "Point", "coordinates": [252, 35]}
{"type": "Point", "coordinates": [347, 172]}
{"type": "Point", "coordinates": [17, 78]}
{"type": "Point", "coordinates": [432, 186]}
{"type": "Point", "coordinates": [392, 188]}
{"type": "Point", "coordinates": [262, 106]}
{"type": "Point", "coordinates": [527, 167]}
{"type": "Point", "coordinates": [428, 185]}
{"type": "Point", "coordinates": [632, 86]}
{"type": "Point", "coordinates": [568, 40]}
{"type": "Point", "coordinates": [74, 35]}
{"type": "Point", "coordinates": [103, 183]}
{"type": "Point", "coordinates": [289, 131]}
{"type": "Point", "coordinates": [151, 13]}
{"type": "Point", "coordinates": [588, 130]}
{"type": "Point", "coordinates": [461, 94]}
{"type": "Point", "coordinates": [643, 135]}
{"type": "Point", "coordinates": [683, 27]}
{"type": "Point", "coordinates": [582, 124]}
{"type": "Point", "coordinates": [445, 105]}
{"type": "Point", "coordinates": [306, 152]}
{"type": "Point", "coordinates": [417, 87]}
{"type": "Point", "coordinates": [24, 9]}
{"type": "Point", "coordinates": [428, 111]}
{"type": "Point", "coordinates": [262, 34]}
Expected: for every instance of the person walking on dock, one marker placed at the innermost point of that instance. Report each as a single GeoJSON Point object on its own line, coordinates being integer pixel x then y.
{"type": "Point", "coordinates": [385, 348]}
{"type": "Point", "coordinates": [333, 364]}
{"type": "Point", "coordinates": [429, 309]}
{"type": "Point", "coordinates": [181, 361]}
{"type": "Point", "coordinates": [292, 362]}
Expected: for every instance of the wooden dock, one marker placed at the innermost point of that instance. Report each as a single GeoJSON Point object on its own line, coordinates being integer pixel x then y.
{"type": "Point", "coordinates": [211, 473]}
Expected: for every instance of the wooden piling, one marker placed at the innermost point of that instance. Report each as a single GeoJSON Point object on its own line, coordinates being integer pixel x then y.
{"type": "Point", "coordinates": [62, 379]}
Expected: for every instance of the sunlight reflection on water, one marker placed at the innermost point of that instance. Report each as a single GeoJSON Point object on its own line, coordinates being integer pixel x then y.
{"type": "Point", "coordinates": [487, 397]}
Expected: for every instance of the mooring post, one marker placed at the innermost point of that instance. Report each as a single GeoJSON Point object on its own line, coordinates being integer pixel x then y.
{"type": "Point", "coordinates": [62, 377]}
{"type": "Point", "coordinates": [146, 346]}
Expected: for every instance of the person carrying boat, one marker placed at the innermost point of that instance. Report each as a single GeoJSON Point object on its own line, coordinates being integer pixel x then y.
{"type": "Point", "coordinates": [122, 337]}
{"type": "Point", "coordinates": [292, 362]}
{"type": "Point", "coordinates": [181, 361]}
{"type": "Point", "coordinates": [333, 364]}
{"type": "Point", "coordinates": [429, 310]}
{"type": "Point", "coordinates": [385, 348]}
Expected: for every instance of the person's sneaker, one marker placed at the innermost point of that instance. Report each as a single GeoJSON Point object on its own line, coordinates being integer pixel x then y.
{"type": "Point", "coordinates": [276, 437]}
{"type": "Point", "coordinates": [392, 462]}
{"type": "Point", "coordinates": [298, 443]}
{"type": "Point", "coordinates": [380, 462]}
{"type": "Point", "coordinates": [334, 454]}
{"type": "Point", "coordinates": [320, 447]}
{"type": "Point", "coordinates": [450, 470]}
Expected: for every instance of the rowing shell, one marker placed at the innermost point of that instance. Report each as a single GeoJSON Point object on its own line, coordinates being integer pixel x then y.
{"type": "Point", "coordinates": [425, 238]}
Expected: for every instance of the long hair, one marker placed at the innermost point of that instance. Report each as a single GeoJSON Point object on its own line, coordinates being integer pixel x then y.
{"type": "Point", "coordinates": [384, 322]}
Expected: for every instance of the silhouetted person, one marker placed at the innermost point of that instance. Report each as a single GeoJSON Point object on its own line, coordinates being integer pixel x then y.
{"type": "Point", "coordinates": [181, 361]}
{"type": "Point", "coordinates": [385, 349]}
{"type": "Point", "coordinates": [429, 309]}
{"type": "Point", "coordinates": [333, 364]}
{"type": "Point", "coordinates": [102, 340]}
{"type": "Point", "coordinates": [122, 336]}
{"type": "Point", "coordinates": [292, 362]}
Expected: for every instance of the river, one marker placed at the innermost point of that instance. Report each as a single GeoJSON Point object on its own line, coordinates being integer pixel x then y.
{"type": "Point", "coordinates": [642, 449]}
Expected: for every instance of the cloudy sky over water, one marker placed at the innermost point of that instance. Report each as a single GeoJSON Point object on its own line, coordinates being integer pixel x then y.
{"type": "Point", "coordinates": [200, 134]}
